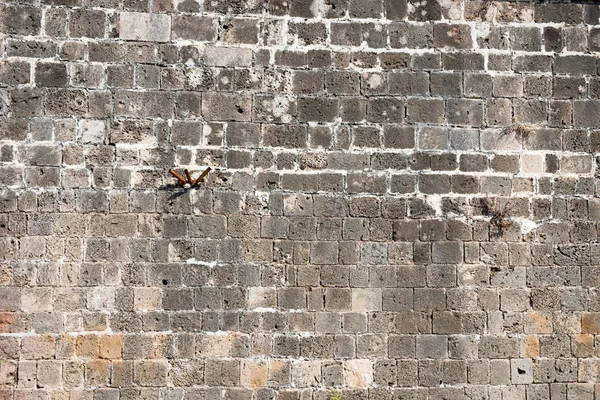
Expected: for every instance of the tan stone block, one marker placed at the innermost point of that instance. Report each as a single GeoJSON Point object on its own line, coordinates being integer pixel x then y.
{"type": "Point", "coordinates": [522, 185]}
{"type": "Point", "coordinates": [87, 346]}
{"type": "Point", "coordinates": [150, 372]}
{"type": "Point", "coordinates": [254, 374]}
{"type": "Point", "coordinates": [38, 347]}
{"type": "Point", "coordinates": [110, 346]}
{"type": "Point", "coordinates": [589, 370]}
{"type": "Point", "coordinates": [590, 323]}
{"type": "Point", "coordinates": [145, 27]}
{"type": "Point", "coordinates": [69, 298]}
{"type": "Point", "coordinates": [538, 322]}
{"type": "Point", "coordinates": [147, 299]}
{"type": "Point", "coordinates": [6, 274]}
{"type": "Point", "coordinates": [10, 347]}
{"type": "Point", "coordinates": [73, 322]}
{"type": "Point", "coordinates": [262, 297]}
{"type": "Point", "coordinates": [122, 373]}
{"type": "Point", "coordinates": [101, 298]}
{"type": "Point", "coordinates": [27, 375]}
{"type": "Point", "coordinates": [258, 250]}
{"type": "Point", "coordinates": [576, 164]}
{"type": "Point", "coordinates": [94, 321]}
{"type": "Point", "coordinates": [301, 253]}
{"type": "Point", "coordinates": [530, 346]}
{"type": "Point", "coordinates": [279, 373]}
{"type": "Point", "coordinates": [365, 300]}
{"type": "Point", "coordinates": [306, 374]}
{"type": "Point", "coordinates": [8, 373]}
{"type": "Point", "coordinates": [36, 300]}
{"type": "Point", "coordinates": [32, 247]}
{"type": "Point", "coordinates": [358, 374]}
{"type": "Point", "coordinates": [186, 373]}
{"type": "Point", "coordinates": [9, 322]}
{"type": "Point", "coordinates": [302, 322]}
{"type": "Point", "coordinates": [213, 345]}
{"type": "Point", "coordinates": [97, 373]}
{"type": "Point", "coordinates": [261, 344]}
{"type": "Point", "coordinates": [567, 322]}
{"type": "Point", "coordinates": [49, 374]}
{"type": "Point", "coordinates": [532, 163]}
{"type": "Point", "coordinates": [59, 395]}
{"type": "Point", "coordinates": [583, 345]}
{"type": "Point", "coordinates": [31, 394]}
{"type": "Point", "coordinates": [82, 394]}
{"type": "Point", "coordinates": [227, 57]}
{"type": "Point", "coordinates": [73, 374]}
{"type": "Point", "coordinates": [70, 224]}
{"type": "Point", "coordinates": [55, 249]}
{"type": "Point", "coordinates": [73, 249]}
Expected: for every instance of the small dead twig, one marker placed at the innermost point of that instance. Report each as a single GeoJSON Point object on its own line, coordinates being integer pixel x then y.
{"type": "Point", "coordinates": [521, 130]}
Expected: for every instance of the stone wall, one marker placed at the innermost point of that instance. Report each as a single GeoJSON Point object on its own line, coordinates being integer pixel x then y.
{"type": "Point", "coordinates": [402, 202]}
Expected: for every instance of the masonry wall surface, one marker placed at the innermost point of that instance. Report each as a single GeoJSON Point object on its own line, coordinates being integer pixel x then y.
{"type": "Point", "coordinates": [402, 203]}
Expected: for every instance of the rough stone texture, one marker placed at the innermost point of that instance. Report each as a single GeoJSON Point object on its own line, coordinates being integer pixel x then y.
{"type": "Point", "coordinates": [402, 202]}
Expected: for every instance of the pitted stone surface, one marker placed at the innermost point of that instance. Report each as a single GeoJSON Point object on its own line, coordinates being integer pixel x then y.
{"type": "Point", "coordinates": [402, 202]}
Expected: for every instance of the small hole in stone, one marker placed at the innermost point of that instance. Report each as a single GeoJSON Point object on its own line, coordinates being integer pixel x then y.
{"type": "Point", "coordinates": [224, 179]}
{"type": "Point", "coordinates": [240, 110]}
{"type": "Point", "coordinates": [520, 371]}
{"type": "Point", "coordinates": [165, 281]}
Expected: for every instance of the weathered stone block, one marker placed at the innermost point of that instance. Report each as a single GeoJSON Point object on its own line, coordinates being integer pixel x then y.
{"type": "Point", "coordinates": [145, 27]}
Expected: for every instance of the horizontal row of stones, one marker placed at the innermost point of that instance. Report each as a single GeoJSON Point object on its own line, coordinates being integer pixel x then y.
{"type": "Point", "coordinates": [295, 252]}
{"type": "Point", "coordinates": [579, 391]}
{"type": "Point", "coordinates": [362, 220]}
{"type": "Point", "coordinates": [387, 9]}
{"type": "Point", "coordinates": [331, 299]}
{"type": "Point", "coordinates": [455, 282]}
{"type": "Point", "coordinates": [555, 327]}
{"type": "Point", "coordinates": [408, 184]}
{"type": "Point", "coordinates": [280, 212]}
{"type": "Point", "coordinates": [218, 106]}
{"type": "Point", "coordinates": [176, 59]}
{"type": "Point", "coordinates": [255, 374]}
{"type": "Point", "coordinates": [261, 163]}
{"type": "Point", "coordinates": [557, 334]}
{"type": "Point", "coordinates": [432, 350]}
{"type": "Point", "coordinates": [236, 166]}
{"type": "Point", "coordinates": [171, 345]}
{"type": "Point", "coordinates": [377, 33]}
{"type": "Point", "coordinates": [403, 188]}
{"type": "Point", "coordinates": [553, 330]}
{"type": "Point", "coordinates": [472, 83]}
{"type": "Point", "coordinates": [391, 173]}
{"type": "Point", "coordinates": [363, 224]}
{"type": "Point", "coordinates": [129, 142]}
{"type": "Point", "coordinates": [412, 91]}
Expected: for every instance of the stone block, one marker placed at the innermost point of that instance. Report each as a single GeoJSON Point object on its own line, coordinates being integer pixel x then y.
{"type": "Point", "coordinates": [145, 27]}
{"type": "Point", "coordinates": [226, 107]}
{"type": "Point", "coordinates": [227, 56]}
{"type": "Point", "coordinates": [521, 371]}
{"type": "Point", "coordinates": [365, 300]}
